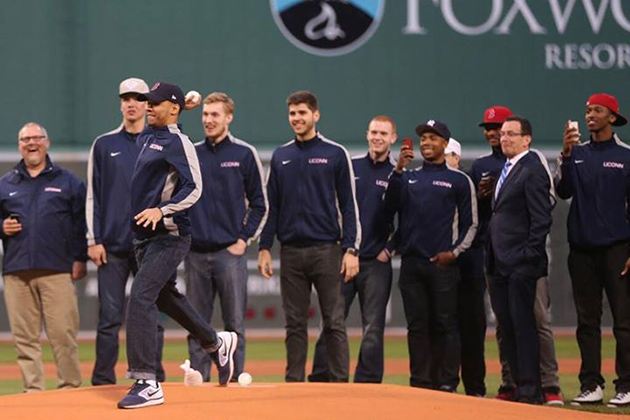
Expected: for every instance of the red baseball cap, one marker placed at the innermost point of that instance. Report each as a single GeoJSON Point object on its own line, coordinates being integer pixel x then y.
{"type": "Point", "coordinates": [609, 102]}
{"type": "Point", "coordinates": [495, 115]}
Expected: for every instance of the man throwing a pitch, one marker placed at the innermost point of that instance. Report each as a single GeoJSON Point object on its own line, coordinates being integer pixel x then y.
{"type": "Point", "coordinates": [165, 184]}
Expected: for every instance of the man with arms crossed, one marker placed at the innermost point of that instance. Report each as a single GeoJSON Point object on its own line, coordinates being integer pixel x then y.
{"type": "Point", "coordinates": [229, 215]}
{"type": "Point", "coordinates": [314, 213]}
{"type": "Point", "coordinates": [374, 281]}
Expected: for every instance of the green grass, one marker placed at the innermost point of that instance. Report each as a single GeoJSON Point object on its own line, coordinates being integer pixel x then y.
{"type": "Point", "coordinates": [395, 348]}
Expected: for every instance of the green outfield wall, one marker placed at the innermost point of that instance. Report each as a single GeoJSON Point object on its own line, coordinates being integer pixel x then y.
{"type": "Point", "coordinates": [62, 61]}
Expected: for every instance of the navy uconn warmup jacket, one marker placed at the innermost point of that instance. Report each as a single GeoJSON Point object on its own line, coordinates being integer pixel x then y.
{"type": "Point", "coordinates": [437, 210]}
{"type": "Point", "coordinates": [596, 176]}
{"type": "Point", "coordinates": [166, 176]}
{"type": "Point", "coordinates": [371, 179]}
{"type": "Point", "coordinates": [108, 205]}
{"type": "Point", "coordinates": [312, 195]}
{"type": "Point", "coordinates": [51, 208]}
{"type": "Point", "coordinates": [487, 165]}
{"type": "Point", "coordinates": [233, 173]}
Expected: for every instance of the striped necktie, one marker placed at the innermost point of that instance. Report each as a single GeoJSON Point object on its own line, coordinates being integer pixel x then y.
{"type": "Point", "coordinates": [504, 174]}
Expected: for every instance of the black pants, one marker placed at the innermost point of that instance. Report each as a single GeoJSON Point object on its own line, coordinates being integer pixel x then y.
{"type": "Point", "coordinates": [301, 268]}
{"type": "Point", "coordinates": [471, 312]}
{"type": "Point", "coordinates": [513, 303]}
{"type": "Point", "coordinates": [429, 296]}
{"type": "Point", "coordinates": [373, 285]}
{"type": "Point", "coordinates": [593, 271]}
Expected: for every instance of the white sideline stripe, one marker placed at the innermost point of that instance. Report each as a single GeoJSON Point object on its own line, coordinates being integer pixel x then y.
{"type": "Point", "coordinates": [263, 184]}
{"type": "Point", "coordinates": [279, 333]}
{"type": "Point", "coordinates": [71, 155]}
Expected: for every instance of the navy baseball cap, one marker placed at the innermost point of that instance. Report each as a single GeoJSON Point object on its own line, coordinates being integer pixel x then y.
{"type": "Point", "coordinates": [434, 126]}
{"type": "Point", "coordinates": [162, 91]}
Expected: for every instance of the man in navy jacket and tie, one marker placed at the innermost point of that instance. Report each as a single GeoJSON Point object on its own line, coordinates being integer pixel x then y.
{"type": "Point", "coordinates": [516, 257]}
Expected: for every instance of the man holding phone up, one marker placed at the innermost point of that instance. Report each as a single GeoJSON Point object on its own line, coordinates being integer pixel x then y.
{"type": "Point", "coordinates": [596, 176]}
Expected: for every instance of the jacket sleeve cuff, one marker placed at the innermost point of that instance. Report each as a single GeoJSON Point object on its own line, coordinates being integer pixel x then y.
{"type": "Point", "coordinates": [93, 241]}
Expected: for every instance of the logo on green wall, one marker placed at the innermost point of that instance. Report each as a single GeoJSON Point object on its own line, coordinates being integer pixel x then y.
{"type": "Point", "coordinates": [327, 27]}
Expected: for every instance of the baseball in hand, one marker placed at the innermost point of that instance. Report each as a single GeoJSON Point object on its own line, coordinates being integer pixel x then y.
{"type": "Point", "coordinates": [192, 99]}
{"type": "Point", "coordinates": [244, 379]}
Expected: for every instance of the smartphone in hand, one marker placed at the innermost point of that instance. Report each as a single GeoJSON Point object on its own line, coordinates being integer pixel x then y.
{"type": "Point", "coordinates": [408, 143]}
{"type": "Point", "coordinates": [15, 217]}
{"type": "Point", "coordinates": [575, 125]}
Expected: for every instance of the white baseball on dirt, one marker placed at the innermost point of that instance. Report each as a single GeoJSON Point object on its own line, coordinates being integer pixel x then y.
{"type": "Point", "coordinates": [244, 379]}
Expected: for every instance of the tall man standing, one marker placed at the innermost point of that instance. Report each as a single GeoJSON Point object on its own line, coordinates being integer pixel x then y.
{"type": "Point", "coordinates": [108, 211]}
{"type": "Point", "coordinates": [43, 234]}
{"type": "Point", "coordinates": [166, 183]}
{"type": "Point", "coordinates": [314, 213]}
{"type": "Point", "coordinates": [517, 257]}
{"type": "Point", "coordinates": [437, 214]}
{"type": "Point", "coordinates": [229, 215]}
{"type": "Point", "coordinates": [374, 281]}
{"type": "Point", "coordinates": [596, 176]}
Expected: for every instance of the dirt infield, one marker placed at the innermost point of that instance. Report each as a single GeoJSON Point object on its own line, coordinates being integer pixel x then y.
{"type": "Point", "coordinates": [276, 367]}
{"type": "Point", "coordinates": [277, 402]}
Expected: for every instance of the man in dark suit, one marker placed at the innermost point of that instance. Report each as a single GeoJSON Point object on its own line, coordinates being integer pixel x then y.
{"type": "Point", "coordinates": [516, 257]}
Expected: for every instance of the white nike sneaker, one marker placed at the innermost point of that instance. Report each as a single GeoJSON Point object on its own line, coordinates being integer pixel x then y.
{"type": "Point", "coordinates": [589, 396]}
{"type": "Point", "coordinates": [224, 356]}
{"type": "Point", "coordinates": [143, 394]}
{"type": "Point", "coordinates": [622, 399]}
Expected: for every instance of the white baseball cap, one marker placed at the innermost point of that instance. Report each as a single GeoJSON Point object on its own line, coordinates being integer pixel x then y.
{"type": "Point", "coordinates": [132, 85]}
{"type": "Point", "coordinates": [453, 147]}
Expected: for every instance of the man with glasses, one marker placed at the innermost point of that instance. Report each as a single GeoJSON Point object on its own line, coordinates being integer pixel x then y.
{"type": "Point", "coordinates": [485, 171]}
{"type": "Point", "coordinates": [43, 234]}
{"type": "Point", "coordinates": [517, 257]}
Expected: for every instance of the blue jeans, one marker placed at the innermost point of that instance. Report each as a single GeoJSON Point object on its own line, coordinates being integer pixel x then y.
{"type": "Point", "coordinates": [209, 273]}
{"type": "Point", "coordinates": [112, 279]}
{"type": "Point", "coordinates": [373, 284]}
{"type": "Point", "coordinates": [154, 289]}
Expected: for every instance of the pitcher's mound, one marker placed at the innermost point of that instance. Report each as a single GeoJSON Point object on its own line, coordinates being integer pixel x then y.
{"type": "Point", "coordinates": [275, 401]}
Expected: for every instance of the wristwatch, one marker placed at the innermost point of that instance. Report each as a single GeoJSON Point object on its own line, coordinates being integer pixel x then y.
{"type": "Point", "coordinates": [352, 251]}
